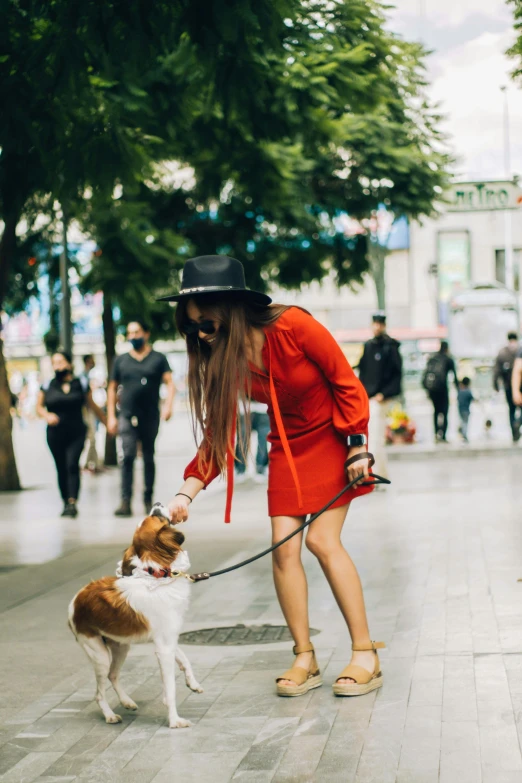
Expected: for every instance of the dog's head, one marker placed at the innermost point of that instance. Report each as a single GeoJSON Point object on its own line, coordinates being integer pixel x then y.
{"type": "Point", "coordinates": [154, 540]}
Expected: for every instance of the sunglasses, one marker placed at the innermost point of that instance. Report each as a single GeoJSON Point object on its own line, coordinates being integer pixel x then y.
{"type": "Point", "coordinates": [190, 328]}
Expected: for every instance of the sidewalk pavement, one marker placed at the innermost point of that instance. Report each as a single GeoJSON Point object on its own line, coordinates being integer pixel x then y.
{"type": "Point", "coordinates": [439, 555]}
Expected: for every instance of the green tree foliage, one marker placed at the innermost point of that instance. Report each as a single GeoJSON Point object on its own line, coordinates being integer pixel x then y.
{"type": "Point", "coordinates": [515, 51]}
{"type": "Point", "coordinates": [288, 112]}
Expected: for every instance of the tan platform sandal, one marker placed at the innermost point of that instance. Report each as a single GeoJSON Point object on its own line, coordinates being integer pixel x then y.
{"type": "Point", "coordinates": [365, 681]}
{"type": "Point", "coordinates": [304, 680]}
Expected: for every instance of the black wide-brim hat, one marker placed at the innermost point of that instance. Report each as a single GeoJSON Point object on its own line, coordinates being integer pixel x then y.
{"type": "Point", "coordinates": [214, 275]}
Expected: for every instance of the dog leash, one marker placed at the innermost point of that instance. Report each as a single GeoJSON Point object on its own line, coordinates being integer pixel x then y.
{"type": "Point", "coordinates": [376, 480]}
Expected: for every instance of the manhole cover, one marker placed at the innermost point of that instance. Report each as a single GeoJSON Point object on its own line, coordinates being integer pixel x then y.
{"type": "Point", "coordinates": [235, 635]}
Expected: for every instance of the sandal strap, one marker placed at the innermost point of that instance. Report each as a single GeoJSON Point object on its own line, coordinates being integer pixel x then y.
{"type": "Point", "coordinates": [364, 647]}
{"type": "Point", "coordinates": [357, 673]}
{"type": "Point", "coordinates": [302, 648]}
{"type": "Point", "coordinates": [296, 674]}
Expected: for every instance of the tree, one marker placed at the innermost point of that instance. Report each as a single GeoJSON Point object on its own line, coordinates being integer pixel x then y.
{"type": "Point", "coordinates": [68, 118]}
{"type": "Point", "coordinates": [269, 101]}
{"type": "Point", "coordinates": [515, 51]}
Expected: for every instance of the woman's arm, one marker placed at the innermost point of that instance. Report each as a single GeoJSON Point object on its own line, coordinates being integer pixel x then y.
{"type": "Point", "coordinates": [351, 409]}
{"type": "Point", "coordinates": [179, 505]}
{"type": "Point", "coordinates": [51, 418]}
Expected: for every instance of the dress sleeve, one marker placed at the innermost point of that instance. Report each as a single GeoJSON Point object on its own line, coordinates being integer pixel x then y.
{"type": "Point", "coordinates": [209, 472]}
{"type": "Point", "coordinates": [351, 409]}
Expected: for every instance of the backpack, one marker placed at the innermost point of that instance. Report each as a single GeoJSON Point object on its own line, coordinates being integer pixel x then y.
{"type": "Point", "coordinates": [435, 374]}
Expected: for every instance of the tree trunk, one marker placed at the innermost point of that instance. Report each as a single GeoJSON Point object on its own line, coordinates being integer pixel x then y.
{"type": "Point", "coordinates": [377, 258]}
{"type": "Point", "coordinates": [8, 471]}
{"type": "Point", "coordinates": [109, 337]}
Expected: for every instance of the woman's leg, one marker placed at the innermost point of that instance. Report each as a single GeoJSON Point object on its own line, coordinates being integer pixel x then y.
{"type": "Point", "coordinates": [290, 584]}
{"type": "Point", "coordinates": [57, 447]}
{"type": "Point", "coordinates": [73, 453]}
{"type": "Point", "coordinates": [324, 541]}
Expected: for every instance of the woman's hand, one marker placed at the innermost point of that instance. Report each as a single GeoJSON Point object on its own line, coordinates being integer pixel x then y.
{"type": "Point", "coordinates": [360, 467]}
{"type": "Point", "coordinates": [179, 509]}
{"type": "Point", "coordinates": [52, 419]}
{"type": "Point", "coordinates": [112, 425]}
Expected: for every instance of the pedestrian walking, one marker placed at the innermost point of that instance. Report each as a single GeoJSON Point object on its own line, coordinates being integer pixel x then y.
{"type": "Point", "coordinates": [239, 343]}
{"type": "Point", "coordinates": [92, 461]}
{"type": "Point", "coordinates": [259, 423]}
{"type": "Point", "coordinates": [380, 372]}
{"type": "Point", "coordinates": [464, 399]}
{"type": "Point", "coordinates": [435, 380]}
{"type": "Point", "coordinates": [516, 379]}
{"type": "Point", "coordinates": [138, 376]}
{"type": "Point", "coordinates": [61, 402]}
{"type": "Point", "coordinates": [502, 372]}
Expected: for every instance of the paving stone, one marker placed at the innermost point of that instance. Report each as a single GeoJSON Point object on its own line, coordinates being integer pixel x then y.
{"type": "Point", "coordinates": [29, 768]}
{"type": "Point", "coordinates": [301, 759]}
{"type": "Point", "coordinates": [195, 767]}
{"type": "Point", "coordinates": [460, 753]}
{"type": "Point", "coordinates": [440, 589]}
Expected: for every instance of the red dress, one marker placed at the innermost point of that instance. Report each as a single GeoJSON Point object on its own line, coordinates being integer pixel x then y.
{"type": "Point", "coordinates": [314, 402]}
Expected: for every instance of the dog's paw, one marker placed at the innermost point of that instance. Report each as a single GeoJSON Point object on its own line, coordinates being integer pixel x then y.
{"type": "Point", "coordinates": [195, 686]}
{"type": "Point", "coordinates": [180, 723]}
{"type": "Point", "coordinates": [129, 704]}
{"type": "Point", "coordinates": [113, 719]}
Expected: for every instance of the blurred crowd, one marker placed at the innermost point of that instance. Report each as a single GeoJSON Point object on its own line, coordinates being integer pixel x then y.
{"type": "Point", "coordinates": [138, 390]}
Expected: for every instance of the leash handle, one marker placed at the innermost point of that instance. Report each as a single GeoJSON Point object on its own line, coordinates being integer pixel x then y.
{"type": "Point", "coordinates": [376, 480]}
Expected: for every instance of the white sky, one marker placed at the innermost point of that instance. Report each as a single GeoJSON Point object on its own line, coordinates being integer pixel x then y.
{"type": "Point", "coordinates": [466, 70]}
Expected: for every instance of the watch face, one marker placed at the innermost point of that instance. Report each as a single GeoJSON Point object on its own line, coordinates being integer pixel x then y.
{"type": "Point", "coordinates": [357, 440]}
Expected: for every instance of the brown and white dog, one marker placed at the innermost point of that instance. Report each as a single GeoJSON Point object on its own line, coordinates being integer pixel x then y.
{"type": "Point", "coordinates": [146, 601]}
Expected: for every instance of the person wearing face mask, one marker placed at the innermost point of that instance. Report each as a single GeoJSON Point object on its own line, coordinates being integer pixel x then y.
{"type": "Point", "coordinates": [136, 378]}
{"type": "Point", "coordinates": [60, 402]}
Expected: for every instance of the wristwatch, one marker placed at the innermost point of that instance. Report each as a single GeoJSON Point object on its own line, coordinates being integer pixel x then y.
{"type": "Point", "coordinates": [357, 440]}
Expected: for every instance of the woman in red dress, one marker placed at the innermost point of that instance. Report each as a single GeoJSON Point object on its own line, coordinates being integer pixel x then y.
{"type": "Point", "coordinates": [241, 347]}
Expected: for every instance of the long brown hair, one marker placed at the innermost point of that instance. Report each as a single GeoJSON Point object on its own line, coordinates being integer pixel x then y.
{"type": "Point", "coordinates": [219, 378]}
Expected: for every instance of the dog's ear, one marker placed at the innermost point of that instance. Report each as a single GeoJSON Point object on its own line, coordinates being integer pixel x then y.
{"type": "Point", "coordinates": [126, 565]}
{"type": "Point", "coordinates": [170, 540]}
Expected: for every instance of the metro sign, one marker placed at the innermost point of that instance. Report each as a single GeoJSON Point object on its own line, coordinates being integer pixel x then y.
{"type": "Point", "coordinates": [484, 196]}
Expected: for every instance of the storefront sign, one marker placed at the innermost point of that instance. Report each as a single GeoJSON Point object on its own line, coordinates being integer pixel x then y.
{"type": "Point", "coordinates": [484, 196]}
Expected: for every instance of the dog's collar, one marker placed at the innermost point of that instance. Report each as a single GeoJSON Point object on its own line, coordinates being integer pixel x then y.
{"type": "Point", "coordinates": [166, 573]}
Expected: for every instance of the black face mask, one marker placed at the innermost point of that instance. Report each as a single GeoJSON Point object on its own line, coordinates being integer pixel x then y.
{"type": "Point", "coordinates": [61, 374]}
{"type": "Point", "coordinates": [137, 343]}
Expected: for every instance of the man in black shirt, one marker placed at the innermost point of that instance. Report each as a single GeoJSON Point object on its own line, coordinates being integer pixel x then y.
{"type": "Point", "coordinates": [138, 376]}
{"type": "Point", "coordinates": [380, 372]}
{"type": "Point", "coordinates": [435, 381]}
{"type": "Point", "coordinates": [503, 371]}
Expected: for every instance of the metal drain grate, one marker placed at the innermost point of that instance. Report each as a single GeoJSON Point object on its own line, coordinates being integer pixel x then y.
{"type": "Point", "coordinates": [235, 635]}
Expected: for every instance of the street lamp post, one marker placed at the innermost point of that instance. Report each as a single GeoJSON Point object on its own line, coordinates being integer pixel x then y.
{"type": "Point", "coordinates": [65, 302]}
{"type": "Point", "coordinates": [509, 278]}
